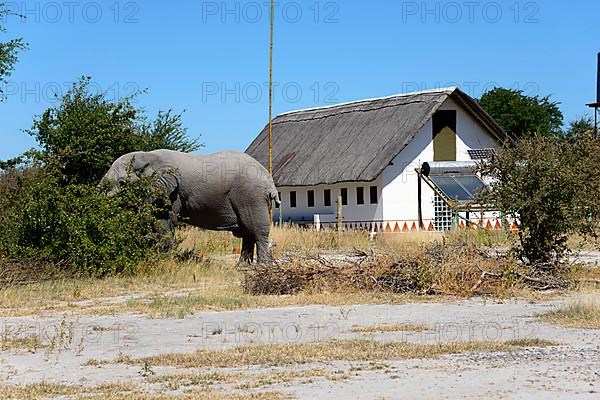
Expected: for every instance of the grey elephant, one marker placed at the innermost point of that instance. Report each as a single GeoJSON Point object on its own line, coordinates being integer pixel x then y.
{"type": "Point", "coordinates": [228, 191]}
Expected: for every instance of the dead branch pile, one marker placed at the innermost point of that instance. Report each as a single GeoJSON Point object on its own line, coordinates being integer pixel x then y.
{"type": "Point", "coordinates": [461, 269]}
{"type": "Point", "coordinates": [24, 272]}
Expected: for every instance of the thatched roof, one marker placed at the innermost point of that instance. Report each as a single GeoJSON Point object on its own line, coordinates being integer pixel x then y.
{"type": "Point", "coordinates": [353, 141]}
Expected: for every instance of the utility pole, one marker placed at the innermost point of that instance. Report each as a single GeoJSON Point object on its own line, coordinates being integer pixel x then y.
{"type": "Point", "coordinates": [272, 26]}
{"type": "Point", "coordinates": [272, 32]}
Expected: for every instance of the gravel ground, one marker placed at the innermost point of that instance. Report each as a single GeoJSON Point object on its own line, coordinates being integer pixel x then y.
{"type": "Point", "coordinates": [570, 370]}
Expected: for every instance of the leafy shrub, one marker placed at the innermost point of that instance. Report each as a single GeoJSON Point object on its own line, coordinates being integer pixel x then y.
{"type": "Point", "coordinates": [82, 136]}
{"type": "Point", "coordinates": [76, 226]}
{"type": "Point", "coordinates": [51, 211]}
{"type": "Point", "coordinates": [550, 185]}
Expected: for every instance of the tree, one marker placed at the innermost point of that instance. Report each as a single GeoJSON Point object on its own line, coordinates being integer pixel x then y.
{"type": "Point", "coordinates": [581, 127]}
{"type": "Point", "coordinates": [550, 186]}
{"type": "Point", "coordinates": [8, 50]}
{"type": "Point", "coordinates": [82, 136]}
{"type": "Point", "coordinates": [51, 210]}
{"type": "Point", "coordinates": [167, 132]}
{"type": "Point", "coordinates": [521, 115]}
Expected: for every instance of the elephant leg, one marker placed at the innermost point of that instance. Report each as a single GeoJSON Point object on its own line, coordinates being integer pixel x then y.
{"type": "Point", "coordinates": [263, 251]}
{"type": "Point", "coordinates": [166, 231]}
{"type": "Point", "coordinates": [252, 211]}
{"type": "Point", "coordinates": [247, 254]}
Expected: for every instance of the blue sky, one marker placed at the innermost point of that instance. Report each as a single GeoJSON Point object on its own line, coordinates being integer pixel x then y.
{"type": "Point", "coordinates": [211, 58]}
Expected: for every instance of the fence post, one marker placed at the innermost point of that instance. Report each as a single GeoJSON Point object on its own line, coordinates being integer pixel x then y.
{"type": "Point", "coordinates": [340, 225]}
{"type": "Point", "coordinates": [281, 214]}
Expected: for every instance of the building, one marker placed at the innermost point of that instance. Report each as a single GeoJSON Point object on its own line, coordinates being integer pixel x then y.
{"type": "Point", "coordinates": [370, 153]}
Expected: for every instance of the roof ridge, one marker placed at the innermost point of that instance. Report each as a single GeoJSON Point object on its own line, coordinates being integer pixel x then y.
{"type": "Point", "coordinates": [344, 112]}
{"type": "Point", "coordinates": [448, 89]}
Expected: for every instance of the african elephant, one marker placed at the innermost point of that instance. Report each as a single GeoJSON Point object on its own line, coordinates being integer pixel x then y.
{"type": "Point", "coordinates": [228, 191]}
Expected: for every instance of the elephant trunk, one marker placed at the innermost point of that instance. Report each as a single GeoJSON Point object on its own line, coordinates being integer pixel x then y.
{"type": "Point", "coordinates": [109, 183]}
{"type": "Point", "coordinates": [274, 196]}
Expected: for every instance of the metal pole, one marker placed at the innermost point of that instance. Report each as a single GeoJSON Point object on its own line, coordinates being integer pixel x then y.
{"type": "Point", "coordinates": [420, 202]}
{"type": "Point", "coordinates": [271, 88]}
{"type": "Point", "coordinates": [272, 31]}
{"type": "Point", "coordinates": [596, 105]}
{"type": "Point", "coordinates": [340, 218]}
{"type": "Point", "coordinates": [596, 122]}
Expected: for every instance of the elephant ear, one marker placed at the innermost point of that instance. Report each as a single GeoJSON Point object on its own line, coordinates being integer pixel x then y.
{"type": "Point", "coordinates": [166, 180]}
{"type": "Point", "coordinates": [147, 164]}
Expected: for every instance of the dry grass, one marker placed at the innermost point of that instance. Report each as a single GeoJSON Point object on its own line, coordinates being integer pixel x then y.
{"type": "Point", "coordinates": [584, 278]}
{"type": "Point", "coordinates": [24, 272]}
{"type": "Point", "coordinates": [288, 377]}
{"type": "Point", "coordinates": [122, 391]}
{"type": "Point", "coordinates": [403, 327]}
{"type": "Point", "coordinates": [230, 298]}
{"type": "Point", "coordinates": [335, 350]}
{"type": "Point", "coordinates": [582, 313]}
{"type": "Point", "coordinates": [579, 242]}
{"type": "Point", "coordinates": [35, 391]}
{"type": "Point", "coordinates": [403, 267]}
{"type": "Point", "coordinates": [30, 343]}
{"type": "Point", "coordinates": [47, 390]}
{"type": "Point", "coordinates": [301, 240]}
{"type": "Point", "coordinates": [85, 294]}
{"type": "Point", "coordinates": [244, 381]}
{"type": "Point", "coordinates": [119, 391]}
{"type": "Point", "coordinates": [212, 285]}
{"type": "Point", "coordinates": [213, 280]}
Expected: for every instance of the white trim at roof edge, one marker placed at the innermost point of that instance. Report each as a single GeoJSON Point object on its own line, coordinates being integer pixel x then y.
{"type": "Point", "coordinates": [449, 90]}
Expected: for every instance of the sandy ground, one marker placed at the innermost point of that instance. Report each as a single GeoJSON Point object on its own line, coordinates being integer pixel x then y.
{"type": "Point", "coordinates": [571, 370]}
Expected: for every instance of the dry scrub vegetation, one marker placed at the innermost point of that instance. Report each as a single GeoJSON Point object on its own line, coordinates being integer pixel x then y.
{"type": "Point", "coordinates": [121, 391]}
{"type": "Point", "coordinates": [333, 350]}
{"type": "Point", "coordinates": [404, 327]}
{"type": "Point", "coordinates": [313, 268]}
{"type": "Point", "coordinates": [461, 263]}
{"type": "Point", "coordinates": [245, 380]}
{"type": "Point", "coordinates": [274, 361]}
{"type": "Point", "coordinates": [580, 313]}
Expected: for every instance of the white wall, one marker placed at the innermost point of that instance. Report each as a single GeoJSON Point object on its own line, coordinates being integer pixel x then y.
{"type": "Point", "coordinates": [351, 212]}
{"type": "Point", "coordinates": [397, 185]}
{"type": "Point", "coordinates": [399, 180]}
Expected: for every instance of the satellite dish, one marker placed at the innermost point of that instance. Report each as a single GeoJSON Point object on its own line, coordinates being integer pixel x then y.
{"type": "Point", "coordinates": [425, 168]}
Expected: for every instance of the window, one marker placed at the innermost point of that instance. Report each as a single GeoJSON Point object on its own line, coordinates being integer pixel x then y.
{"type": "Point", "coordinates": [279, 197]}
{"type": "Point", "coordinates": [344, 197]}
{"type": "Point", "coordinates": [311, 198]}
{"type": "Point", "coordinates": [327, 197]}
{"type": "Point", "coordinates": [444, 135]}
{"type": "Point", "coordinates": [360, 195]}
{"type": "Point", "coordinates": [373, 194]}
{"type": "Point", "coordinates": [293, 199]}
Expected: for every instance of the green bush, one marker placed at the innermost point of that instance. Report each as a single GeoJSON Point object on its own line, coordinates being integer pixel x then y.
{"type": "Point", "coordinates": [78, 227]}
{"type": "Point", "coordinates": [51, 210]}
{"type": "Point", "coordinates": [82, 136]}
{"type": "Point", "coordinates": [550, 185]}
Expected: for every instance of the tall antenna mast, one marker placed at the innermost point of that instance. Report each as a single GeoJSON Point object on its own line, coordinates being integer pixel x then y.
{"type": "Point", "coordinates": [271, 89]}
